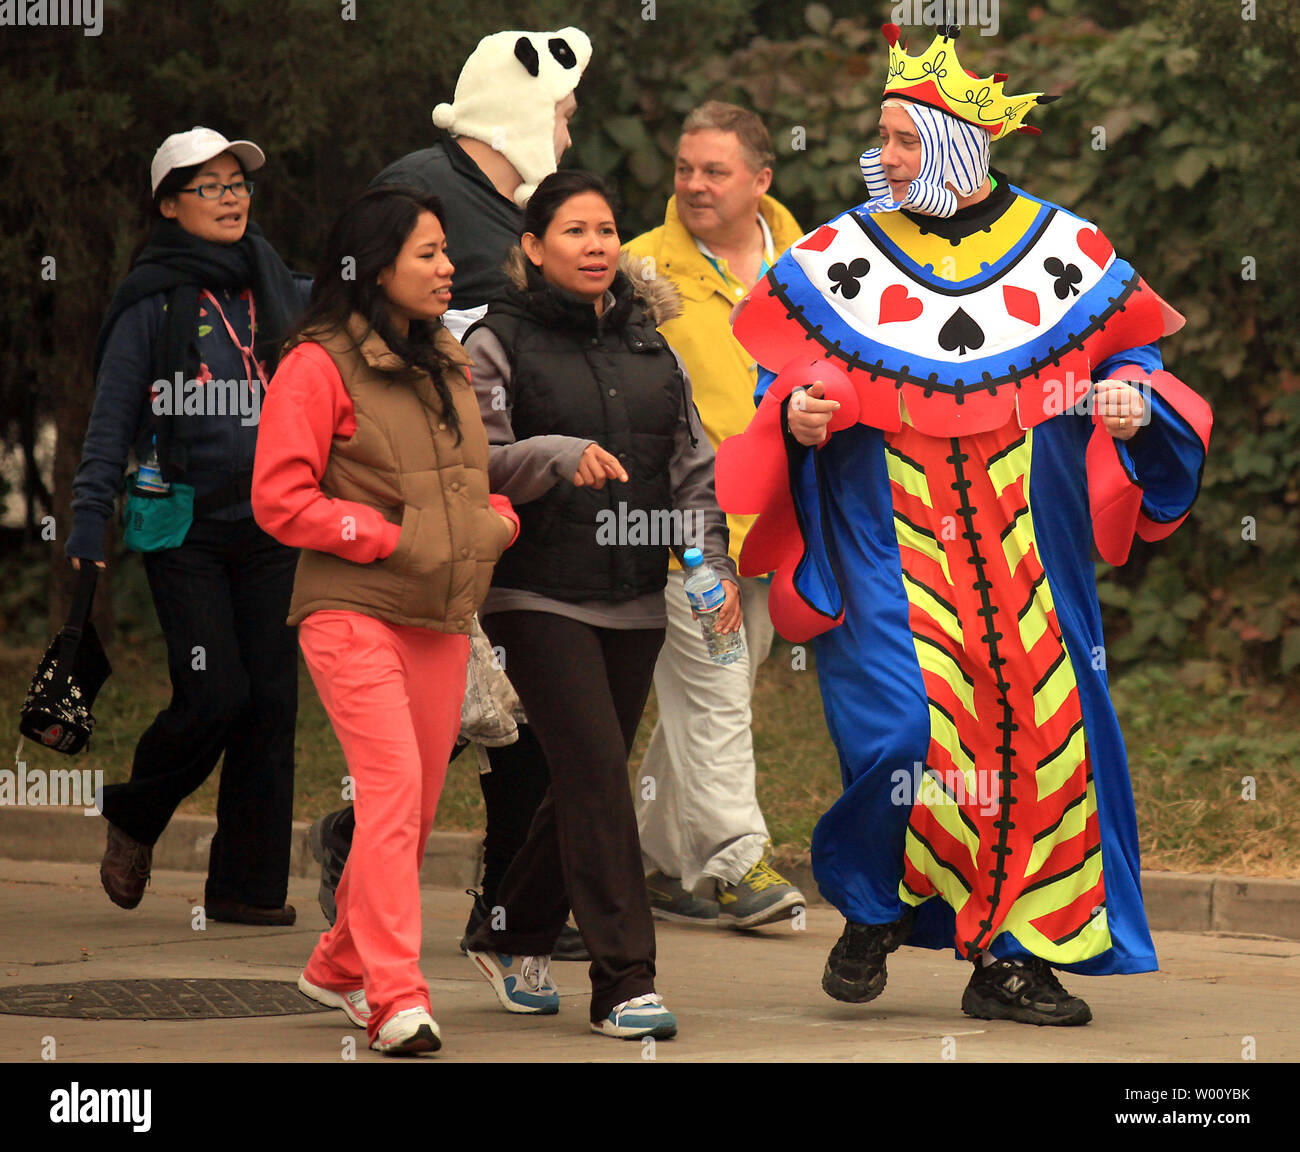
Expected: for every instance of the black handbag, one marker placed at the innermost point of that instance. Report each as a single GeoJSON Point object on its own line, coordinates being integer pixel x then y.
{"type": "Point", "coordinates": [57, 709]}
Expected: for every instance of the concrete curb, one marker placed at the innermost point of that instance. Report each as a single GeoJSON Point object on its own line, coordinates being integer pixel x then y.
{"type": "Point", "coordinates": [1175, 901]}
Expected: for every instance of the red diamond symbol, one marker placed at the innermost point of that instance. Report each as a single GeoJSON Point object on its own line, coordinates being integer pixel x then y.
{"type": "Point", "coordinates": [820, 240]}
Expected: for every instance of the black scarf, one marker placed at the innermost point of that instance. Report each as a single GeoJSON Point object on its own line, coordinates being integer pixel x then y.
{"type": "Point", "coordinates": [181, 264]}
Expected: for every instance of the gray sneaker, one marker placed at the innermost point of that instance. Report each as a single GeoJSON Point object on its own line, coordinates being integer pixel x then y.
{"type": "Point", "coordinates": [761, 896]}
{"type": "Point", "coordinates": [670, 901]}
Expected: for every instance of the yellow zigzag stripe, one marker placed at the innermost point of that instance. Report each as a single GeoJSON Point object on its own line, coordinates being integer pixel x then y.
{"type": "Point", "coordinates": [927, 545]}
{"type": "Point", "coordinates": [933, 607]}
{"type": "Point", "coordinates": [1092, 941]}
{"type": "Point", "coordinates": [1072, 824]}
{"type": "Point", "coordinates": [907, 476]}
{"type": "Point", "coordinates": [1013, 466]}
{"type": "Point", "coordinates": [931, 659]}
{"type": "Point", "coordinates": [944, 732]}
{"type": "Point", "coordinates": [1053, 694]}
{"type": "Point", "coordinates": [949, 888]}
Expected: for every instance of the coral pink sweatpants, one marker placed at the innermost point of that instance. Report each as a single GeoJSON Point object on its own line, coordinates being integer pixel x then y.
{"type": "Point", "coordinates": [393, 694]}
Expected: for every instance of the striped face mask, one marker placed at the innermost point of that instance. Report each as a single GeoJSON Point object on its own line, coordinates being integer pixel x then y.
{"type": "Point", "coordinates": [952, 152]}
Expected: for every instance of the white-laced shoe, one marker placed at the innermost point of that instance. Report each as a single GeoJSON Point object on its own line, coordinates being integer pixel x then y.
{"type": "Point", "coordinates": [353, 1003]}
{"type": "Point", "coordinates": [638, 1017]}
{"type": "Point", "coordinates": [407, 1032]}
{"type": "Point", "coordinates": [523, 984]}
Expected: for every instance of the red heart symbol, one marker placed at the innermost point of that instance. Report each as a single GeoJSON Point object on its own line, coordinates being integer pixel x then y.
{"type": "Point", "coordinates": [1095, 246]}
{"type": "Point", "coordinates": [896, 304]}
{"type": "Point", "coordinates": [820, 240]}
{"type": "Point", "coordinates": [1021, 303]}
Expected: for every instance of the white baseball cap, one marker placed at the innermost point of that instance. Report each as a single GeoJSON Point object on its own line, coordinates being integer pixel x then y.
{"type": "Point", "coordinates": [182, 149]}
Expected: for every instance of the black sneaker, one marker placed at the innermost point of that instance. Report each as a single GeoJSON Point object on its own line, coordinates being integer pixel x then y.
{"type": "Point", "coordinates": [855, 969]}
{"type": "Point", "coordinates": [1022, 990]}
{"type": "Point", "coordinates": [478, 912]}
{"type": "Point", "coordinates": [331, 840]}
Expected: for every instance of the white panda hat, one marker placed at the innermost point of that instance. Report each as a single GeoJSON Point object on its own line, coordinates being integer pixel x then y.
{"type": "Point", "coordinates": [506, 95]}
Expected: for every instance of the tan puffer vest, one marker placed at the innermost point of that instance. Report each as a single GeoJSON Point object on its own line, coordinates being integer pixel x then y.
{"type": "Point", "coordinates": [405, 462]}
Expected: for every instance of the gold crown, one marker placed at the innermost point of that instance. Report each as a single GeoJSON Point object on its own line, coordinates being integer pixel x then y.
{"type": "Point", "coordinates": [937, 79]}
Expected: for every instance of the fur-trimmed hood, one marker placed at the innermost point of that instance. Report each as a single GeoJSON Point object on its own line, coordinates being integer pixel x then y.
{"type": "Point", "coordinates": [656, 294]}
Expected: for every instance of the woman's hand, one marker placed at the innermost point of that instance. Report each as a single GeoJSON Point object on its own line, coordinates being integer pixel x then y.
{"type": "Point", "coordinates": [76, 563]}
{"type": "Point", "coordinates": [808, 414]}
{"type": "Point", "coordinates": [597, 466]}
{"type": "Point", "coordinates": [1120, 407]}
{"type": "Point", "coordinates": [730, 615]}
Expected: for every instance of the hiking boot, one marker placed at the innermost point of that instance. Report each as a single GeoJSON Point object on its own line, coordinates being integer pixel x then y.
{"type": "Point", "coordinates": [330, 839]}
{"type": "Point", "coordinates": [670, 901]}
{"type": "Point", "coordinates": [855, 969]}
{"type": "Point", "coordinates": [124, 871]}
{"type": "Point", "coordinates": [1025, 991]}
{"type": "Point", "coordinates": [761, 896]}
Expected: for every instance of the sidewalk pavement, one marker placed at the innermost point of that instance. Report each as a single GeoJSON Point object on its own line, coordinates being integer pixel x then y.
{"type": "Point", "coordinates": [745, 997]}
{"type": "Point", "coordinates": [739, 997]}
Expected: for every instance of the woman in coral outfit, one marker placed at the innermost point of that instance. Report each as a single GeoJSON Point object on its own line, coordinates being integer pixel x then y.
{"type": "Point", "coordinates": [372, 459]}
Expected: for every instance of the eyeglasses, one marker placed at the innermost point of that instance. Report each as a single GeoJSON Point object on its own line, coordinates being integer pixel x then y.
{"type": "Point", "coordinates": [214, 191]}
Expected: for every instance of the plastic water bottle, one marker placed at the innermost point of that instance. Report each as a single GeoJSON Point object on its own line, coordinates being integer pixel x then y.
{"type": "Point", "coordinates": [149, 479]}
{"type": "Point", "coordinates": [705, 592]}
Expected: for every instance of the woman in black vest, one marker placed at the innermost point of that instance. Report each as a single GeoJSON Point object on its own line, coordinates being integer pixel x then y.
{"type": "Point", "coordinates": [596, 442]}
{"type": "Point", "coordinates": [189, 340]}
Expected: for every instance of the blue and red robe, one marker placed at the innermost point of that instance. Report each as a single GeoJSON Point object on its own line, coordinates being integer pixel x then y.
{"type": "Point", "coordinates": [938, 546]}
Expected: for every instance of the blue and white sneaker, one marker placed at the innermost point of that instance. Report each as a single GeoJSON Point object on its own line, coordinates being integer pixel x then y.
{"type": "Point", "coordinates": [638, 1017]}
{"type": "Point", "coordinates": [522, 983]}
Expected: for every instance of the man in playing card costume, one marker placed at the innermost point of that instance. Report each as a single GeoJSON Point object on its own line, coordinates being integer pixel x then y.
{"type": "Point", "coordinates": [932, 464]}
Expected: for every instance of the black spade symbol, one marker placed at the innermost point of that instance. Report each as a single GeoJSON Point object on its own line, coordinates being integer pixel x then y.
{"type": "Point", "coordinates": [846, 277]}
{"type": "Point", "coordinates": [1067, 276]}
{"type": "Point", "coordinates": [960, 333]}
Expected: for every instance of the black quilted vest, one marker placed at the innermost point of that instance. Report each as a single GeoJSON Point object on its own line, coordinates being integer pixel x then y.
{"type": "Point", "coordinates": [610, 379]}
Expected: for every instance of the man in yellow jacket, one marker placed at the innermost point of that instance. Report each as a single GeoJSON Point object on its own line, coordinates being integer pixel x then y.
{"type": "Point", "coordinates": [700, 824]}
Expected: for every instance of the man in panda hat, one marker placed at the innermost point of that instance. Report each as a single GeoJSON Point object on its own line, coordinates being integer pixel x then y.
{"type": "Point", "coordinates": [962, 393]}
{"type": "Point", "coordinates": [503, 133]}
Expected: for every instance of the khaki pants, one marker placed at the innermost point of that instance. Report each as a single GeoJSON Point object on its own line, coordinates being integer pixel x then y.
{"type": "Point", "coordinates": [702, 816]}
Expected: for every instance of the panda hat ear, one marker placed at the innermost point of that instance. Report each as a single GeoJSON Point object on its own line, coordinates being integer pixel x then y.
{"type": "Point", "coordinates": [526, 54]}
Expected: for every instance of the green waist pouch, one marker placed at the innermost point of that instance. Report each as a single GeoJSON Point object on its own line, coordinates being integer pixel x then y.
{"type": "Point", "coordinates": [155, 522]}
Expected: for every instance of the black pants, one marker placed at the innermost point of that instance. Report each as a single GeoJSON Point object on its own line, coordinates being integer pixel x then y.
{"type": "Point", "coordinates": [584, 690]}
{"type": "Point", "coordinates": [222, 598]}
{"type": "Point", "coordinates": [512, 792]}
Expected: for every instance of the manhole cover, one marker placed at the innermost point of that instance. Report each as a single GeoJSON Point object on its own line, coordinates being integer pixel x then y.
{"type": "Point", "coordinates": [156, 999]}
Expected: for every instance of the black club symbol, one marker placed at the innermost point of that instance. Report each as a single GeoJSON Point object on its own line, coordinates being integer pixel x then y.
{"type": "Point", "coordinates": [846, 277]}
{"type": "Point", "coordinates": [1067, 276]}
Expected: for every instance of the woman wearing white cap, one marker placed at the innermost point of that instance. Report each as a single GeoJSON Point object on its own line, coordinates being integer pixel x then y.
{"type": "Point", "coordinates": [189, 339]}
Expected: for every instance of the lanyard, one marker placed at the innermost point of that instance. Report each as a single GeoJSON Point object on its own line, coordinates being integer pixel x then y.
{"type": "Point", "coordinates": [251, 361]}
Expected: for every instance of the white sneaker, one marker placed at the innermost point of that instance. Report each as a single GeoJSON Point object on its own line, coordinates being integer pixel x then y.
{"type": "Point", "coordinates": [352, 1003]}
{"type": "Point", "coordinates": [407, 1032]}
{"type": "Point", "coordinates": [638, 1017]}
